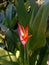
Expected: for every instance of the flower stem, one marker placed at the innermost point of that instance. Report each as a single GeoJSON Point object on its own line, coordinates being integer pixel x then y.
{"type": "Point", "coordinates": [24, 55]}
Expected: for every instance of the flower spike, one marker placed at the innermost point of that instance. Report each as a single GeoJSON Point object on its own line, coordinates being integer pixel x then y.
{"type": "Point", "coordinates": [23, 34]}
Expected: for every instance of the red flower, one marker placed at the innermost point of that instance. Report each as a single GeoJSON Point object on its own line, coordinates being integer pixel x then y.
{"type": "Point", "coordinates": [23, 33]}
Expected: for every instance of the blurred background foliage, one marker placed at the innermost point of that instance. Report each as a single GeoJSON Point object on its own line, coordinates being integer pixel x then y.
{"type": "Point", "coordinates": [35, 13]}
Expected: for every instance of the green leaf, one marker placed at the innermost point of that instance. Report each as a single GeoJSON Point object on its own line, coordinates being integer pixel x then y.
{"type": "Point", "coordinates": [6, 57]}
{"type": "Point", "coordinates": [10, 40]}
{"type": "Point", "coordinates": [37, 19]}
{"type": "Point", "coordinates": [39, 28]}
{"type": "Point", "coordinates": [22, 13]}
{"type": "Point", "coordinates": [34, 25]}
{"type": "Point", "coordinates": [14, 22]}
{"type": "Point", "coordinates": [9, 14]}
{"type": "Point", "coordinates": [45, 59]}
{"type": "Point", "coordinates": [41, 34]}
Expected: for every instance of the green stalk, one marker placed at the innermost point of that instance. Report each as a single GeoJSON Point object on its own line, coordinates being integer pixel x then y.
{"type": "Point", "coordinates": [24, 55]}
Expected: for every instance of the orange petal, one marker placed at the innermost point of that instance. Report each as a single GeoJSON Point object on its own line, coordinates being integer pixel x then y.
{"type": "Point", "coordinates": [23, 29]}
{"type": "Point", "coordinates": [26, 30]}
{"type": "Point", "coordinates": [27, 37]}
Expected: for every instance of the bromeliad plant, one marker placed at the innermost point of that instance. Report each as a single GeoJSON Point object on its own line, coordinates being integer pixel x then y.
{"type": "Point", "coordinates": [33, 52]}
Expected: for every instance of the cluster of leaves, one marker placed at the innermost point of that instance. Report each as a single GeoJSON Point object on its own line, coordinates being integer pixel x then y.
{"type": "Point", "coordinates": [36, 17]}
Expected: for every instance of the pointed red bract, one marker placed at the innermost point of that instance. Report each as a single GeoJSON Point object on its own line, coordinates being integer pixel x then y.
{"type": "Point", "coordinates": [23, 33]}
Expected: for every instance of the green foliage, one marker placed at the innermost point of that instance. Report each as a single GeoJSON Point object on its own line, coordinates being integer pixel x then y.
{"type": "Point", "coordinates": [36, 18]}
